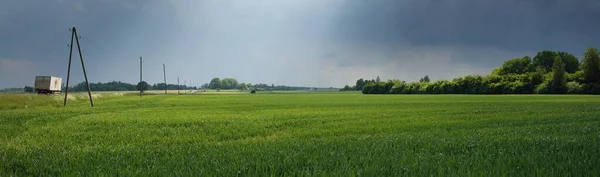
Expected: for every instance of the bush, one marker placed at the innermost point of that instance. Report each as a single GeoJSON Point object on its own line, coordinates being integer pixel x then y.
{"type": "Point", "coordinates": [378, 88]}
{"type": "Point", "coordinates": [28, 89]}
{"type": "Point", "coordinates": [542, 88]}
{"type": "Point", "coordinates": [576, 77]}
{"type": "Point", "coordinates": [591, 88]}
{"type": "Point", "coordinates": [574, 88]}
{"type": "Point", "coordinates": [398, 87]}
{"type": "Point", "coordinates": [367, 88]}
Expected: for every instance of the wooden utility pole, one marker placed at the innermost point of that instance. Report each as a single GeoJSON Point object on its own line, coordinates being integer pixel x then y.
{"type": "Point", "coordinates": [165, 77]}
{"type": "Point", "coordinates": [141, 76]}
{"type": "Point", "coordinates": [74, 35]}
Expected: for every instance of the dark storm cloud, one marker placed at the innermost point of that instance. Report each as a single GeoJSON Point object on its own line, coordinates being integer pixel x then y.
{"type": "Point", "coordinates": [513, 25]}
{"type": "Point", "coordinates": [292, 42]}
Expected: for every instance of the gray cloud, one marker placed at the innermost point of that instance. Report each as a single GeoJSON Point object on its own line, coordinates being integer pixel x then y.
{"type": "Point", "coordinates": [508, 24]}
{"type": "Point", "coordinates": [310, 42]}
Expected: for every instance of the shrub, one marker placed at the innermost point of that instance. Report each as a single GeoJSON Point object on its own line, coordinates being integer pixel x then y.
{"type": "Point", "coordinates": [367, 88]}
{"type": "Point", "coordinates": [542, 88]}
{"type": "Point", "coordinates": [574, 88]}
{"type": "Point", "coordinates": [591, 88]}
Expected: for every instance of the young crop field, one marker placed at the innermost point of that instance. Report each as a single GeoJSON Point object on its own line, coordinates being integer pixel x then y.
{"type": "Point", "coordinates": [298, 134]}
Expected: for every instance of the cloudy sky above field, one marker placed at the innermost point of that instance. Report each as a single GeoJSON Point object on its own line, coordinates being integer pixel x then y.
{"type": "Point", "coordinates": [292, 42]}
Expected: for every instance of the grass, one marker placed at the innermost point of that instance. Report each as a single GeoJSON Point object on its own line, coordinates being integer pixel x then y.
{"type": "Point", "coordinates": [340, 134]}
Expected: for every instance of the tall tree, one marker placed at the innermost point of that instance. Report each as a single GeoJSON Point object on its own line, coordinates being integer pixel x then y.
{"type": "Point", "coordinates": [346, 88]}
{"type": "Point", "coordinates": [228, 83]}
{"type": "Point", "coordinates": [215, 83]}
{"type": "Point", "coordinates": [28, 89]}
{"type": "Point", "coordinates": [424, 79]}
{"type": "Point", "coordinates": [559, 76]}
{"type": "Point", "coordinates": [142, 86]}
{"type": "Point", "coordinates": [591, 65]}
{"type": "Point", "coordinates": [242, 86]}
{"type": "Point", "coordinates": [544, 59]}
{"type": "Point", "coordinates": [360, 83]}
{"type": "Point", "coordinates": [516, 66]}
{"type": "Point", "coordinates": [378, 80]}
{"type": "Point", "coordinates": [571, 62]}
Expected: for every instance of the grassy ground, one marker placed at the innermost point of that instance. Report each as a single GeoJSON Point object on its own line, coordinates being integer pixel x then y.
{"type": "Point", "coordinates": [337, 134]}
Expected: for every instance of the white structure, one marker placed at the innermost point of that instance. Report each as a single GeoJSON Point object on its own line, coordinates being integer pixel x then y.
{"type": "Point", "coordinates": [47, 84]}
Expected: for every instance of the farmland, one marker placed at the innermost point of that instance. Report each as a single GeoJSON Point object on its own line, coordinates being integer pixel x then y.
{"type": "Point", "coordinates": [301, 134]}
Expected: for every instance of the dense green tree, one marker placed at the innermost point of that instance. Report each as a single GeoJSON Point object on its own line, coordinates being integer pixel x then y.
{"type": "Point", "coordinates": [398, 86]}
{"type": "Point", "coordinates": [346, 88]}
{"type": "Point", "coordinates": [471, 84]}
{"type": "Point", "coordinates": [576, 77]}
{"type": "Point", "coordinates": [28, 89]}
{"type": "Point", "coordinates": [591, 66]}
{"type": "Point", "coordinates": [545, 59]}
{"type": "Point", "coordinates": [571, 62]}
{"type": "Point", "coordinates": [360, 83]}
{"type": "Point", "coordinates": [215, 83]}
{"type": "Point", "coordinates": [425, 79]}
{"type": "Point", "coordinates": [559, 80]}
{"type": "Point", "coordinates": [516, 66]}
{"type": "Point", "coordinates": [142, 86]}
{"type": "Point", "coordinates": [367, 88]}
{"type": "Point", "coordinates": [574, 88]}
{"type": "Point", "coordinates": [242, 86]}
{"type": "Point", "coordinates": [228, 83]}
{"type": "Point", "coordinates": [377, 80]}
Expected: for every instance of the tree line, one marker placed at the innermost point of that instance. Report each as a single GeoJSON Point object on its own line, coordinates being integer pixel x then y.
{"type": "Point", "coordinates": [231, 83]}
{"type": "Point", "coordinates": [122, 86]}
{"type": "Point", "coordinates": [549, 72]}
{"type": "Point", "coordinates": [216, 83]}
{"type": "Point", "coordinates": [13, 90]}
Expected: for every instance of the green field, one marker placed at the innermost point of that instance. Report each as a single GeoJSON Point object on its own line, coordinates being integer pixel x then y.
{"type": "Point", "coordinates": [337, 134]}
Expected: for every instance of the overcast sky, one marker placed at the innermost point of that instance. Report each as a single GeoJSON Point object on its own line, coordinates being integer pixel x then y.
{"type": "Point", "coordinates": [285, 42]}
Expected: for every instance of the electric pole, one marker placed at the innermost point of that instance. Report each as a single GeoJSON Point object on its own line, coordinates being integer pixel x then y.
{"type": "Point", "coordinates": [165, 77]}
{"type": "Point", "coordinates": [141, 77]}
{"type": "Point", "coordinates": [76, 37]}
{"type": "Point", "coordinates": [178, 85]}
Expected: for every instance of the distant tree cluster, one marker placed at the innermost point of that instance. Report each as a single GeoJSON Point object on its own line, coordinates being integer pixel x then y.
{"type": "Point", "coordinates": [122, 86]}
{"type": "Point", "coordinates": [549, 72]}
{"type": "Point", "coordinates": [360, 84]}
{"type": "Point", "coordinates": [274, 87]}
{"type": "Point", "coordinates": [226, 83]}
{"type": "Point", "coordinates": [28, 89]}
{"type": "Point", "coordinates": [230, 83]}
{"type": "Point", "coordinates": [161, 86]}
{"type": "Point", "coordinates": [142, 86]}
{"type": "Point", "coordinates": [109, 86]}
{"type": "Point", "coordinates": [13, 90]}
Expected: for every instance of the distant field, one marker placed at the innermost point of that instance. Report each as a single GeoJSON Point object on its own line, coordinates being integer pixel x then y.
{"type": "Point", "coordinates": [339, 134]}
